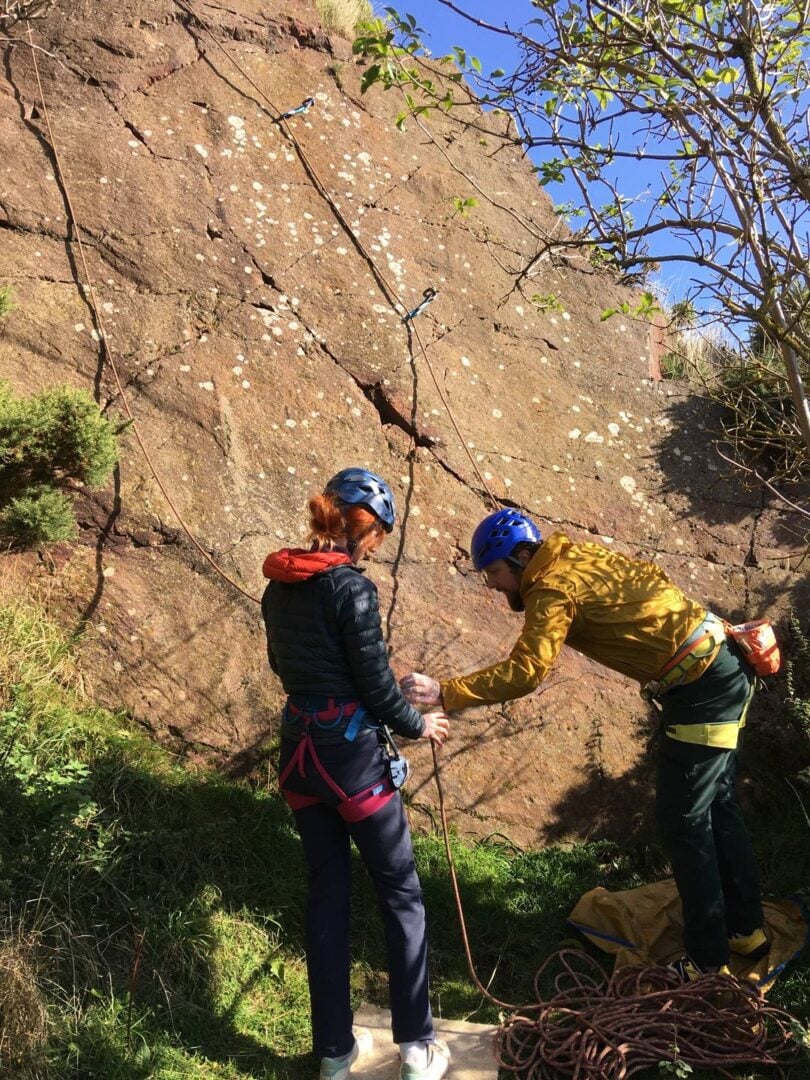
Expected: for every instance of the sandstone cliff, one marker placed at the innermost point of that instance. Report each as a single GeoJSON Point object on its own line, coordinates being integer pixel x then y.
{"type": "Point", "coordinates": [260, 355]}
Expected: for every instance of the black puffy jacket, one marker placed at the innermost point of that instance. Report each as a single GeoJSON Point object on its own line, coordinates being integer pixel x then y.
{"type": "Point", "coordinates": [324, 635]}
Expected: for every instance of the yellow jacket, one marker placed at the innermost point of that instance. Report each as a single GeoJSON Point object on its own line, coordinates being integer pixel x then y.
{"type": "Point", "coordinates": [623, 612]}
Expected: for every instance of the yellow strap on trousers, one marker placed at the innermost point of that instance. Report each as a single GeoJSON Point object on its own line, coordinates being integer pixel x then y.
{"type": "Point", "coordinates": [723, 736]}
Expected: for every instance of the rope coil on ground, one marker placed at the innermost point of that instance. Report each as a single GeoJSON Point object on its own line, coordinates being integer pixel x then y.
{"type": "Point", "coordinates": [596, 1027]}
{"type": "Point", "coordinates": [600, 1027]}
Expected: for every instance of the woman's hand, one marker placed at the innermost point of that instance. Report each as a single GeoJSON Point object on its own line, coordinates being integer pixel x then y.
{"type": "Point", "coordinates": [437, 727]}
{"type": "Point", "coordinates": [421, 689]}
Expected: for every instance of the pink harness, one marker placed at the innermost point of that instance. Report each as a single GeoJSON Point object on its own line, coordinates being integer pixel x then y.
{"type": "Point", "coordinates": [350, 807]}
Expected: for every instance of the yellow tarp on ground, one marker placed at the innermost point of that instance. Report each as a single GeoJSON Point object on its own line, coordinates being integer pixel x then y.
{"type": "Point", "coordinates": [645, 926]}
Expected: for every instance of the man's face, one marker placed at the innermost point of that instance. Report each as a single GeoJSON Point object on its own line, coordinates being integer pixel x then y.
{"type": "Point", "coordinates": [505, 578]}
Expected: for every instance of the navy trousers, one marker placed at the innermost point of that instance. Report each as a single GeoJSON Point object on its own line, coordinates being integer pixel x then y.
{"type": "Point", "coordinates": [384, 843]}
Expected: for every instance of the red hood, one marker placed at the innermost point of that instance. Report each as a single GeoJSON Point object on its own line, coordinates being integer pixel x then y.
{"type": "Point", "coordinates": [298, 564]}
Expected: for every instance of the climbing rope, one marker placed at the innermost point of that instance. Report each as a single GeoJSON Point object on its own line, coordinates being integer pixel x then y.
{"type": "Point", "coordinates": [596, 1027]}
{"type": "Point", "coordinates": [599, 1028]}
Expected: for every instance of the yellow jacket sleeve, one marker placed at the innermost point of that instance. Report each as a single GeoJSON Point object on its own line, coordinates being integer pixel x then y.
{"type": "Point", "coordinates": [549, 613]}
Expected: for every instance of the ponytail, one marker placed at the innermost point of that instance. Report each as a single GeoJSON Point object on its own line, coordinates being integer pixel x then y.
{"type": "Point", "coordinates": [332, 525]}
{"type": "Point", "coordinates": [326, 523]}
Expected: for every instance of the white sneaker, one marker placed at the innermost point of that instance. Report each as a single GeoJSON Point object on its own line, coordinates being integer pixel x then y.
{"type": "Point", "coordinates": [340, 1068]}
{"type": "Point", "coordinates": [437, 1062]}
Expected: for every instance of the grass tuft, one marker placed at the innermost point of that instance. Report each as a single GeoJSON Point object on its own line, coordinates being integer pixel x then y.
{"type": "Point", "coordinates": [23, 1017]}
{"type": "Point", "coordinates": [342, 16]}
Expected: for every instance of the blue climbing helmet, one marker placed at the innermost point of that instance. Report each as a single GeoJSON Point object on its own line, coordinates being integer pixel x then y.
{"type": "Point", "coordinates": [359, 487]}
{"type": "Point", "coordinates": [499, 534]}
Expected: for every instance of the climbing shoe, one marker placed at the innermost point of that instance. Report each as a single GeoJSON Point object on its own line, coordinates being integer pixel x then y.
{"type": "Point", "coordinates": [424, 1061]}
{"type": "Point", "coordinates": [752, 946]}
{"type": "Point", "coordinates": [688, 970]}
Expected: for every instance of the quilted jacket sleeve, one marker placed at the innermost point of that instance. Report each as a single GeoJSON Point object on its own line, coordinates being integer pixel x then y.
{"type": "Point", "coordinates": [266, 615]}
{"type": "Point", "coordinates": [358, 616]}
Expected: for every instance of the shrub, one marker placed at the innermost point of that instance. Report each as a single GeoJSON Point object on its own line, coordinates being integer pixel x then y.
{"type": "Point", "coordinates": [41, 515]}
{"type": "Point", "coordinates": [47, 442]}
{"type": "Point", "coordinates": [751, 385]}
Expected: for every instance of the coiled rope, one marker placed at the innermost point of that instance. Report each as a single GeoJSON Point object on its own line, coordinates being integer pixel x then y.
{"type": "Point", "coordinates": [596, 1027]}
{"type": "Point", "coordinates": [599, 1027]}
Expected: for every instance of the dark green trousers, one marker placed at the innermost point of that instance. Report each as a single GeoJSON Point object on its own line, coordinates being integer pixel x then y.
{"type": "Point", "coordinates": [700, 819]}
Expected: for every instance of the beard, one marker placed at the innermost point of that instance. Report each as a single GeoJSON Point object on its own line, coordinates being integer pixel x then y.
{"type": "Point", "coordinates": [515, 600]}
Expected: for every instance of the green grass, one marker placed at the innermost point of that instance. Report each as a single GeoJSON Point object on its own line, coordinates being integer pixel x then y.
{"type": "Point", "coordinates": [105, 841]}
{"type": "Point", "coordinates": [342, 16]}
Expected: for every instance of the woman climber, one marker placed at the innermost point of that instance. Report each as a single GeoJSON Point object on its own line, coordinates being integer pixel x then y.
{"type": "Point", "coordinates": [324, 641]}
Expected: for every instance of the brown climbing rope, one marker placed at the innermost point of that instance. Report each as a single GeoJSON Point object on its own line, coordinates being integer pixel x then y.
{"type": "Point", "coordinates": [596, 1027]}
{"type": "Point", "coordinates": [599, 1028]}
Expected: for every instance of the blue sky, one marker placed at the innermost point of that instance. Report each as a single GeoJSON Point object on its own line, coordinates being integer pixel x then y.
{"type": "Point", "coordinates": [444, 29]}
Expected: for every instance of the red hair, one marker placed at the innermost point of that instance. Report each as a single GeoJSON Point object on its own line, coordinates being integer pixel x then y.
{"type": "Point", "coordinates": [331, 525]}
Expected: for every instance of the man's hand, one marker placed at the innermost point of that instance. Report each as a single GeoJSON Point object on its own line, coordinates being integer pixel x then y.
{"type": "Point", "coordinates": [437, 727]}
{"type": "Point", "coordinates": [421, 689]}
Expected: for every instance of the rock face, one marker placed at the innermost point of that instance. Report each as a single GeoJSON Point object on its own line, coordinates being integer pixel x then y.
{"type": "Point", "coordinates": [259, 354]}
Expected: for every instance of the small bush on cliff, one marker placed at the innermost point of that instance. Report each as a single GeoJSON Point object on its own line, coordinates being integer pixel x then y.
{"type": "Point", "coordinates": [343, 16]}
{"type": "Point", "coordinates": [49, 442]}
{"type": "Point", "coordinates": [6, 302]}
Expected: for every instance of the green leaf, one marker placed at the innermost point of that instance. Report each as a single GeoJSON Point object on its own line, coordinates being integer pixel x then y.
{"type": "Point", "coordinates": [497, 73]}
{"type": "Point", "coordinates": [475, 64]}
{"type": "Point", "coordinates": [370, 76]}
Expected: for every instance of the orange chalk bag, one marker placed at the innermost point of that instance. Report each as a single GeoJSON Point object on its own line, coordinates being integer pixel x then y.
{"type": "Point", "coordinates": [758, 644]}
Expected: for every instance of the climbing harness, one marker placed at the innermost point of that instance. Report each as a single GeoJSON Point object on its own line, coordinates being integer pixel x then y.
{"type": "Point", "coordinates": [344, 720]}
{"type": "Point", "coordinates": [355, 807]}
{"type": "Point", "coordinates": [299, 110]}
{"type": "Point", "coordinates": [705, 639]}
{"type": "Point", "coordinates": [430, 295]}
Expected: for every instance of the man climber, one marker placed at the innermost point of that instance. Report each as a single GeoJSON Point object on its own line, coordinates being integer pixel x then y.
{"type": "Point", "coordinates": [628, 615]}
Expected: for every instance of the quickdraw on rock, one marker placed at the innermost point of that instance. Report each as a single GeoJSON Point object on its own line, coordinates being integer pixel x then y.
{"type": "Point", "coordinates": [430, 295]}
{"type": "Point", "coordinates": [299, 110]}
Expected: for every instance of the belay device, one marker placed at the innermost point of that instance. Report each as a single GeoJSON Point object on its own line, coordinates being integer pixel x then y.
{"type": "Point", "coordinates": [399, 768]}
